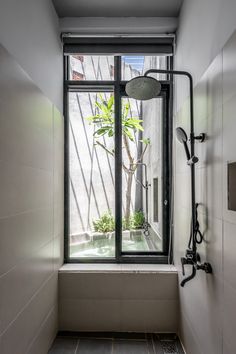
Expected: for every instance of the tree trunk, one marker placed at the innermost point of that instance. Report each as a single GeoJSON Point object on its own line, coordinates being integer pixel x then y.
{"type": "Point", "coordinates": [128, 197]}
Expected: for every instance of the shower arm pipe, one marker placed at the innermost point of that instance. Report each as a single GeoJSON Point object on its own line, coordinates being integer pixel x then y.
{"type": "Point", "coordinates": [192, 141]}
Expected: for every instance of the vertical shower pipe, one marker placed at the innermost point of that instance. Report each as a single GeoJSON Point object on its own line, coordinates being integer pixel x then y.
{"type": "Point", "coordinates": [192, 141]}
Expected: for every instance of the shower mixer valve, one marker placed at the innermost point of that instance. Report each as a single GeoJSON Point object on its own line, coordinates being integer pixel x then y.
{"type": "Point", "coordinates": [194, 259]}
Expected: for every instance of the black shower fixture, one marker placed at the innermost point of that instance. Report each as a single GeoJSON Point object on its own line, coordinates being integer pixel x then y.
{"type": "Point", "coordinates": [192, 257]}
{"type": "Point", "coordinates": [183, 139]}
{"type": "Point", "coordinates": [144, 88]}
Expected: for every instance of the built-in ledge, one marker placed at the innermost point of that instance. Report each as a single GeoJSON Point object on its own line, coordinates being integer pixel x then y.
{"type": "Point", "coordinates": [117, 268]}
{"type": "Point", "coordinates": [118, 298]}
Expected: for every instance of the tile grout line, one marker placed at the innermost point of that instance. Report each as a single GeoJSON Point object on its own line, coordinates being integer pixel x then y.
{"type": "Point", "coordinates": [112, 345]}
{"type": "Point", "coordinates": [28, 303]}
{"type": "Point", "coordinates": [149, 341]}
{"type": "Point", "coordinates": [28, 258]}
{"type": "Point", "coordinates": [77, 346]}
{"type": "Point", "coordinates": [153, 346]}
{"type": "Point", "coordinates": [39, 330]}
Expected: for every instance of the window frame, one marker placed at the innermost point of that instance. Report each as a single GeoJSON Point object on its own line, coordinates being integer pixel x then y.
{"type": "Point", "coordinates": [118, 87]}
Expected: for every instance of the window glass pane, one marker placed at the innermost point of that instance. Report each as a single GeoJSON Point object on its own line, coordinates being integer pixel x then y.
{"type": "Point", "coordinates": [136, 65]}
{"type": "Point", "coordinates": [91, 159]}
{"type": "Point", "coordinates": [91, 67]}
{"type": "Point", "coordinates": [142, 163]}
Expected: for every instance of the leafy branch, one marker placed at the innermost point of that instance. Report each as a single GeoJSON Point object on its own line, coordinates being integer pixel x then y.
{"type": "Point", "coordinates": [104, 121]}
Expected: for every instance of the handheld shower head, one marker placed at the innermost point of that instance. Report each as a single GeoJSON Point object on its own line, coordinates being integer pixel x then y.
{"type": "Point", "coordinates": [181, 135]}
{"type": "Point", "coordinates": [183, 138]}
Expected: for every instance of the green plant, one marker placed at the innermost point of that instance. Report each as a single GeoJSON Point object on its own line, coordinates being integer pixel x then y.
{"type": "Point", "coordinates": [126, 224]}
{"type": "Point", "coordinates": [138, 219]}
{"type": "Point", "coordinates": [106, 223]}
{"type": "Point", "coordinates": [104, 122]}
{"type": "Point", "coordinates": [135, 221]}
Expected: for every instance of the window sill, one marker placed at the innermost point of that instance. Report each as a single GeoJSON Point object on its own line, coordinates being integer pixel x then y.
{"type": "Point", "coordinates": [117, 268]}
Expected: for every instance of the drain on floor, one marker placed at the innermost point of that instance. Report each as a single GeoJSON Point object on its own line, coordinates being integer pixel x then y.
{"type": "Point", "coordinates": [169, 347]}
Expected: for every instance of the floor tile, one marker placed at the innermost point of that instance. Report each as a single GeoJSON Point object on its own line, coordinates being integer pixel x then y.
{"type": "Point", "coordinates": [129, 335]}
{"type": "Point", "coordinates": [116, 343]}
{"type": "Point", "coordinates": [130, 347]}
{"type": "Point", "coordinates": [167, 343]}
{"type": "Point", "coordinates": [94, 346]}
{"type": "Point", "coordinates": [64, 346]}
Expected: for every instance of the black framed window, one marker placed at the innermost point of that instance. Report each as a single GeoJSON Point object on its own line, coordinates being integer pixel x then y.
{"type": "Point", "coordinates": [115, 148]}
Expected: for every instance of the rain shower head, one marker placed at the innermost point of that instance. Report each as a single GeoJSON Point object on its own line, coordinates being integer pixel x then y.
{"type": "Point", "coordinates": [143, 88]}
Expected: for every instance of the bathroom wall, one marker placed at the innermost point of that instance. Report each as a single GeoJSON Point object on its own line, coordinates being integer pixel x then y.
{"type": "Point", "coordinates": [31, 212]}
{"type": "Point", "coordinates": [29, 30]}
{"type": "Point", "coordinates": [208, 303]}
{"type": "Point", "coordinates": [31, 178]}
{"type": "Point", "coordinates": [204, 27]}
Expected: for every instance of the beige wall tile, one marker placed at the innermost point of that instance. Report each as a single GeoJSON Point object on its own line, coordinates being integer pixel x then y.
{"type": "Point", "coordinates": [229, 155]}
{"type": "Point", "coordinates": [156, 286]}
{"type": "Point", "coordinates": [31, 190]}
{"type": "Point", "coordinates": [129, 301]}
{"type": "Point", "coordinates": [22, 235]}
{"type": "Point", "coordinates": [24, 280]}
{"type": "Point", "coordinates": [89, 315]}
{"type": "Point", "coordinates": [214, 77]}
{"type": "Point", "coordinates": [58, 252]}
{"type": "Point", "coordinates": [19, 335]}
{"type": "Point", "coordinates": [229, 258]}
{"type": "Point", "coordinates": [229, 315]}
{"type": "Point", "coordinates": [149, 315]}
{"type": "Point", "coordinates": [207, 303]}
{"type": "Point", "coordinates": [24, 189]}
{"type": "Point", "coordinates": [90, 286]}
{"type": "Point", "coordinates": [229, 69]}
{"type": "Point", "coordinates": [45, 336]}
{"type": "Point", "coordinates": [189, 340]}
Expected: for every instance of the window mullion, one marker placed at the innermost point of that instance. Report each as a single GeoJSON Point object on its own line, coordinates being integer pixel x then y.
{"type": "Point", "coordinates": [118, 160]}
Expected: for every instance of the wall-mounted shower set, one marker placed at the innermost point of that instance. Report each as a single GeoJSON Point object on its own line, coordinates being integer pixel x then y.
{"type": "Point", "coordinates": [192, 257]}
{"type": "Point", "coordinates": [145, 88]}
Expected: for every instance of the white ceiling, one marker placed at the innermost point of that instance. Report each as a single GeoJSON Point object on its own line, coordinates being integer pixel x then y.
{"type": "Point", "coordinates": [117, 8]}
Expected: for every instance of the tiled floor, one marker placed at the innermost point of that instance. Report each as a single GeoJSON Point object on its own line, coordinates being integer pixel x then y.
{"type": "Point", "coordinates": [116, 343]}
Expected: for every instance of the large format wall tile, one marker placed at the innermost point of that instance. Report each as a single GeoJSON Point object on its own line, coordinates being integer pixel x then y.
{"type": "Point", "coordinates": [31, 212]}
{"type": "Point", "coordinates": [89, 315]}
{"type": "Point", "coordinates": [229, 315]}
{"type": "Point", "coordinates": [214, 76]}
{"type": "Point", "coordinates": [27, 324]}
{"type": "Point", "coordinates": [22, 235]}
{"type": "Point", "coordinates": [118, 286]}
{"type": "Point", "coordinates": [229, 146]}
{"type": "Point", "coordinates": [229, 258]}
{"type": "Point", "coordinates": [229, 68]}
{"type": "Point", "coordinates": [189, 340]}
{"type": "Point", "coordinates": [123, 301]}
{"type": "Point", "coordinates": [47, 331]}
{"type": "Point", "coordinates": [24, 280]}
{"type": "Point", "coordinates": [149, 316]}
{"type": "Point", "coordinates": [24, 189]}
{"type": "Point", "coordinates": [25, 118]}
{"type": "Point", "coordinates": [207, 304]}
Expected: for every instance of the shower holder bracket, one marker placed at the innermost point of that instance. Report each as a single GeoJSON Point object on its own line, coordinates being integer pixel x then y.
{"type": "Point", "coordinates": [201, 137]}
